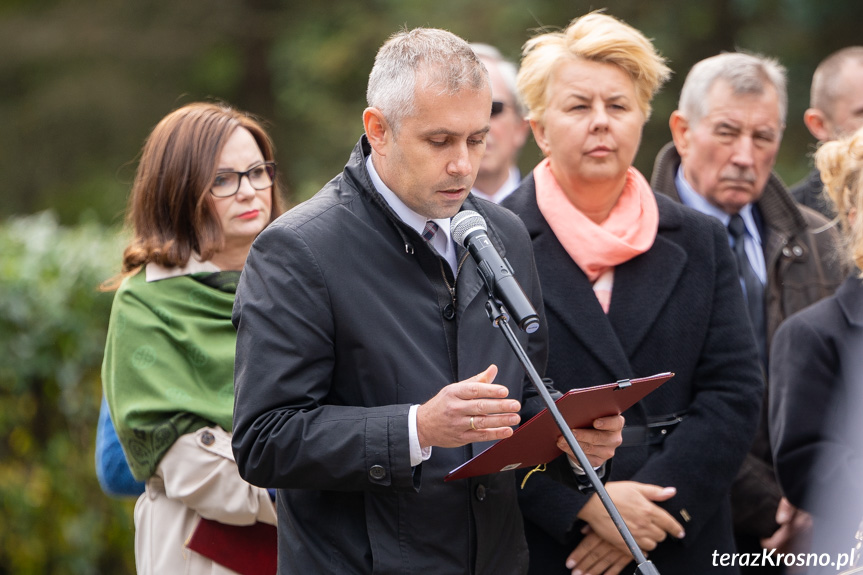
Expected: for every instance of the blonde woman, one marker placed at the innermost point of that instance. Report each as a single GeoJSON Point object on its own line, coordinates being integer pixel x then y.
{"type": "Point", "coordinates": [633, 284]}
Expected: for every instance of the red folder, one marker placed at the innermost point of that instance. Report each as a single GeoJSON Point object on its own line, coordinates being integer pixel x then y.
{"type": "Point", "coordinates": [246, 549]}
{"type": "Point", "coordinates": [535, 442]}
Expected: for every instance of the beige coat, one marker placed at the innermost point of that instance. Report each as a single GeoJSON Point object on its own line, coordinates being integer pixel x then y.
{"type": "Point", "coordinates": [197, 477]}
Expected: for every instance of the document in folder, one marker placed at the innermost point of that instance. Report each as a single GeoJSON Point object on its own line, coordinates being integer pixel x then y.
{"type": "Point", "coordinates": [535, 442]}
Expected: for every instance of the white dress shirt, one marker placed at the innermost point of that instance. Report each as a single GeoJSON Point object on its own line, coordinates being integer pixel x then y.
{"type": "Point", "coordinates": [509, 186]}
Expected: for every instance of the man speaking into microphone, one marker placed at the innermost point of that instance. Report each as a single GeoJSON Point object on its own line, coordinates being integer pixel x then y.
{"type": "Point", "coordinates": [357, 312]}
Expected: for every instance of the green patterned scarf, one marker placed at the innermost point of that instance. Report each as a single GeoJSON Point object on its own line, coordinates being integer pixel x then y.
{"type": "Point", "coordinates": [169, 362]}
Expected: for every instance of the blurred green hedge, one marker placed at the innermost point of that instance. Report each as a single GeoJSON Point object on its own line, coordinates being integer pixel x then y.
{"type": "Point", "coordinates": [55, 518]}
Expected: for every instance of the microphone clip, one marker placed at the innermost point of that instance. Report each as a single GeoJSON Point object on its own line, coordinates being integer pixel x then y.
{"type": "Point", "coordinates": [495, 310]}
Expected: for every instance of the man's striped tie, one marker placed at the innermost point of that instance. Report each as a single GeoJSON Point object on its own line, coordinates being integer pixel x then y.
{"type": "Point", "coordinates": [430, 230]}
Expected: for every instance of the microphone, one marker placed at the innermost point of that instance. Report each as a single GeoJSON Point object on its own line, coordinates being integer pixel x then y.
{"type": "Point", "coordinates": [468, 228]}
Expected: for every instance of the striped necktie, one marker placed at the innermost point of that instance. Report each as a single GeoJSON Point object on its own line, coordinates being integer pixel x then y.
{"type": "Point", "coordinates": [430, 230]}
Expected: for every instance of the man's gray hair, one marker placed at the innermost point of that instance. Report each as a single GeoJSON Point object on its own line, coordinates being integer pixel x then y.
{"type": "Point", "coordinates": [744, 73]}
{"type": "Point", "coordinates": [418, 59]}
{"type": "Point", "coordinates": [508, 72]}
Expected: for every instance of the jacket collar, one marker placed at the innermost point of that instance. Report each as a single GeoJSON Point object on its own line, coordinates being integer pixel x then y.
{"type": "Point", "coordinates": [850, 299]}
{"type": "Point", "coordinates": [781, 214]}
{"type": "Point", "coordinates": [469, 281]}
{"type": "Point", "coordinates": [357, 174]}
{"type": "Point", "coordinates": [656, 272]}
{"type": "Point", "coordinates": [568, 294]}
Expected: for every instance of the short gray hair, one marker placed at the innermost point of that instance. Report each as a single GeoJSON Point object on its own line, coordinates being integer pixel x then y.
{"type": "Point", "coordinates": [435, 57]}
{"type": "Point", "coordinates": [508, 72]}
{"type": "Point", "coordinates": [745, 73]}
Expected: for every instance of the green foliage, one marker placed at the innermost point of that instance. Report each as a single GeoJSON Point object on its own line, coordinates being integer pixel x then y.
{"type": "Point", "coordinates": [52, 332]}
{"type": "Point", "coordinates": [82, 83]}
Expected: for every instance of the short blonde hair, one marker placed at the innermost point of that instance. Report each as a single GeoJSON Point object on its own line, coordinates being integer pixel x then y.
{"type": "Point", "coordinates": [840, 163]}
{"type": "Point", "coordinates": [599, 38]}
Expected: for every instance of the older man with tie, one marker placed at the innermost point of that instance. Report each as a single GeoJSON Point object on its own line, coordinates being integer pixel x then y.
{"type": "Point", "coordinates": [727, 130]}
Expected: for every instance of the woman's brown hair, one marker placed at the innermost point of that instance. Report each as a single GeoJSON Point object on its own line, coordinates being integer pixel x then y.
{"type": "Point", "coordinates": [170, 213]}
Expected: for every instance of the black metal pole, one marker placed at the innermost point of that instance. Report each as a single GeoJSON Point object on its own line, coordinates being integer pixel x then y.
{"type": "Point", "coordinates": [500, 319]}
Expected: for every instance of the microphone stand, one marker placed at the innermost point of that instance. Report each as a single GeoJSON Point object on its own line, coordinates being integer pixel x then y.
{"type": "Point", "coordinates": [500, 320]}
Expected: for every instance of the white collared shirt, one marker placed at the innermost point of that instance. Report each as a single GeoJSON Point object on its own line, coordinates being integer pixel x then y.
{"type": "Point", "coordinates": [442, 240]}
{"type": "Point", "coordinates": [509, 186]}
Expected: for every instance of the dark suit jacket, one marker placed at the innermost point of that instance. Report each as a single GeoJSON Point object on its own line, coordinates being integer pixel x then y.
{"type": "Point", "coordinates": [345, 319]}
{"type": "Point", "coordinates": [816, 376]}
{"type": "Point", "coordinates": [678, 307]}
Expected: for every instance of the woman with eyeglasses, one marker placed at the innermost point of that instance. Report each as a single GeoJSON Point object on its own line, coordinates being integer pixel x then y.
{"type": "Point", "coordinates": [205, 187]}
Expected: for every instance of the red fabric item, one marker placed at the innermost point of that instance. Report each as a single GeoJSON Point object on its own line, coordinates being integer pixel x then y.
{"type": "Point", "coordinates": [246, 549]}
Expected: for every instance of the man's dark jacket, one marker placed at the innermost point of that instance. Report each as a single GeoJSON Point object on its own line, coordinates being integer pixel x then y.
{"type": "Point", "coordinates": [678, 308]}
{"type": "Point", "coordinates": [802, 267]}
{"type": "Point", "coordinates": [345, 320]}
{"type": "Point", "coordinates": [809, 193]}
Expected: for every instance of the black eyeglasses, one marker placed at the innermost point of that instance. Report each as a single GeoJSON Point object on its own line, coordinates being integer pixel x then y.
{"type": "Point", "coordinates": [260, 177]}
{"type": "Point", "coordinates": [496, 108]}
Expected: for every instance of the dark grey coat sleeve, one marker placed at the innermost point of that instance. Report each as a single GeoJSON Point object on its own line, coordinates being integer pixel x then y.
{"type": "Point", "coordinates": [284, 370]}
{"type": "Point", "coordinates": [815, 365]}
{"type": "Point", "coordinates": [803, 372]}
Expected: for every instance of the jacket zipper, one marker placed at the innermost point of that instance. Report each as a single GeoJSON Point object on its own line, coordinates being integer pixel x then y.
{"type": "Point", "coordinates": [449, 287]}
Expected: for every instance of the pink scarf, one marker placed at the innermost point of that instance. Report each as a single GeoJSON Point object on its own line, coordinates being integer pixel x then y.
{"type": "Point", "coordinates": [629, 230]}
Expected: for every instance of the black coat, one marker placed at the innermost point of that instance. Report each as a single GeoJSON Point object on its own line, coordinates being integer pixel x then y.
{"type": "Point", "coordinates": [816, 410]}
{"type": "Point", "coordinates": [678, 307]}
{"type": "Point", "coordinates": [344, 321]}
{"type": "Point", "coordinates": [809, 192]}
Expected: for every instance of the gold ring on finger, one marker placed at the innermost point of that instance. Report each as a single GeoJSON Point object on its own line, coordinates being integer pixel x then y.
{"type": "Point", "coordinates": [472, 426]}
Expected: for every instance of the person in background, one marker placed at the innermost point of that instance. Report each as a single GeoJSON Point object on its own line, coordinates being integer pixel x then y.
{"type": "Point", "coordinates": [726, 131]}
{"type": "Point", "coordinates": [498, 174]}
{"type": "Point", "coordinates": [633, 284]}
{"type": "Point", "coordinates": [355, 314]}
{"type": "Point", "coordinates": [816, 374]}
{"type": "Point", "coordinates": [835, 110]}
{"type": "Point", "coordinates": [205, 187]}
